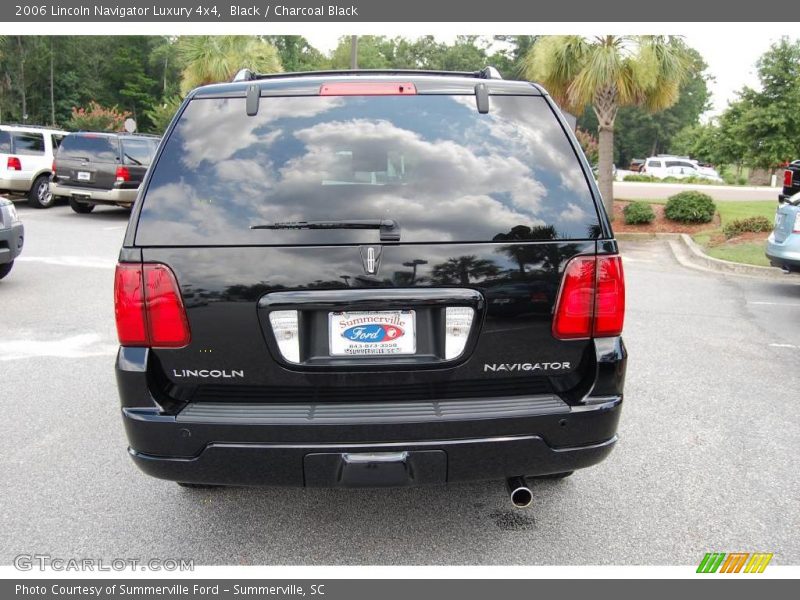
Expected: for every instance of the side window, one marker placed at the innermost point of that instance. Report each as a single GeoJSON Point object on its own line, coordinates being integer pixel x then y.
{"type": "Point", "coordinates": [5, 142]}
{"type": "Point", "coordinates": [56, 139]}
{"type": "Point", "coordinates": [656, 164]}
{"type": "Point", "coordinates": [28, 143]}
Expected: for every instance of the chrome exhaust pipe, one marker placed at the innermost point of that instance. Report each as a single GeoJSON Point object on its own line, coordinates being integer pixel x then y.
{"type": "Point", "coordinates": [519, 492]}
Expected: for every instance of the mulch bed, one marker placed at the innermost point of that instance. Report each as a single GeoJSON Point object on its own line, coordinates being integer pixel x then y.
{"type": "Point", "coordinates": [661, 224]}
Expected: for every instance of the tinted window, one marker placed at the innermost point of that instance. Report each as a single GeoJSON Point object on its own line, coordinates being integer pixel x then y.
{"type": "Point", "coordinates": [28, 143]}
{"type": "Point", "coordinates": [5, 142]}
{"type": "Point", "coordinates": [137, 152]}
{"type": "Point", "coordinates": [97, 148]}
{"type": "Point", "coordinates": [654, 163]}
{"type": "Point", "coordinates": [434, 164]}
{"type": "Point", "coordinates": [57, 139]}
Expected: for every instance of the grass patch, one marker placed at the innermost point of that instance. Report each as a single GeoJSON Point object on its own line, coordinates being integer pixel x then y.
{"type": "Point", "coordinates": [730, 210]}
{"type": "Point", "coordinates": [748, 253]}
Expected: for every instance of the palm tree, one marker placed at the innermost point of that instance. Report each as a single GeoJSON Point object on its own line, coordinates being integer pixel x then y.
{"type": "Point", "coordinates": [608, 72]}
{"type": "Point", "coordinates": [215, 58]}
{"type": "Point", "coordinates": [463, 268]}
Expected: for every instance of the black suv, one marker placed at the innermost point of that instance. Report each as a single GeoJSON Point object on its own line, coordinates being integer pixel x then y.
{"type": "Point", "coordinates": [369, 279]}
{"type": "Point", "coordinates": [101, 168]}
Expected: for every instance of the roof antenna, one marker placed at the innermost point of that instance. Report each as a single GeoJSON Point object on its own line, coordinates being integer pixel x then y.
{"type": "Point", "coordinates": [482, 98]}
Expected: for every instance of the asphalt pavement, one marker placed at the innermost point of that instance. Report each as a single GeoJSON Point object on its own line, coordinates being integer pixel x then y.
{"type": "Point", "coordinates": [706, 459]}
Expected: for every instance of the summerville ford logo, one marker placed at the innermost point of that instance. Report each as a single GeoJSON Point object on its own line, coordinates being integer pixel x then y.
{"type": "Point", "coordinates": [372, 332]}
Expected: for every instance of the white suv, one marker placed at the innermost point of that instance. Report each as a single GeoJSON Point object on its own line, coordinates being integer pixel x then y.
{"type": "Point", "coordinates": [680, 167]}
{"type": "Point", "coordinates": [26, 161]}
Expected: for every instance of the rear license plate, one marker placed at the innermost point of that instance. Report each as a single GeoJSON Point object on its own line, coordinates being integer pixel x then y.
{"type": "Point", "coordinates": [84, 176]}
{"type": "Point", "coordinates": [372, 333]}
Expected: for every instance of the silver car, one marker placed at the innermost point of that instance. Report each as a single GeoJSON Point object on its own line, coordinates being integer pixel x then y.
{"type": "Point", "coordinates": [783, 245]}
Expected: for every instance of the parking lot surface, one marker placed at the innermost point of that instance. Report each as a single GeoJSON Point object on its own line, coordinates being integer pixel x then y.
{"type": "Point", "coordinates": [706, 459]}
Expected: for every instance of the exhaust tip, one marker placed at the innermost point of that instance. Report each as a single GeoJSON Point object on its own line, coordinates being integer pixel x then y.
{"type": "Point", "coordinates": [519, 492]}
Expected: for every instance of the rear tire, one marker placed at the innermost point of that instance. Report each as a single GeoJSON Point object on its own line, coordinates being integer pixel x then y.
{"type": "Point", "coordinates": [80, 207]}
{"type": "Point", "coordinates": [39, 195]}
{"type": "Point", "coordinates": [6, 269]}
{"type": "Point", "coordinates": [554, 475]}
{"type": "Point", "coordinates": [197, 486]}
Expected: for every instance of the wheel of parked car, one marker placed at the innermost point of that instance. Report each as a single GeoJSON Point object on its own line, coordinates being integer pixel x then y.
{"type": "Point", "coordinates": [6, 269]}
{"type": "Point", "coordinates": [39, 195]}
{"type": "Point", "coordinates": [80, 207]}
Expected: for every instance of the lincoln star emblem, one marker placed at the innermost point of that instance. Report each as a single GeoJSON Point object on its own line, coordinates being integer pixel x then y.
{"type": "Point", "coordinates": [371, 257]}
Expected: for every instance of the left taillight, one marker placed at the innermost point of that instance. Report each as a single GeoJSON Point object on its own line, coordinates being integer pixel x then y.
{"type": "Point", "coordinates": [591, 302]}
{"type": "Point", "coordinates": [148, 307]}
{"type": "Point", "coordinates": [13, 164]}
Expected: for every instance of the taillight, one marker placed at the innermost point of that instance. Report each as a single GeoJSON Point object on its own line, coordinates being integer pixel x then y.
{"type": "Point", "coordinates": [796, 226]}
{"type": "Point", "coordinates": [53, 168]}
{"type": "Point", "coordinates": [592, 299]}
{"type": "Point", "coordinates": [787, 178]}
{"type": "Point", "coordinates": [13, 164]}
{"type": "Point", "coordinates": [367, 88]}
{"type": "Point", "coordinates": [123, 174]}
{"type": "Point", "coordinates": [148, 307]}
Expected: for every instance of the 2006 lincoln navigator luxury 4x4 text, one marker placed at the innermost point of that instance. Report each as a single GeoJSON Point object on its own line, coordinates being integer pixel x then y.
{"type": "Point", "coordinates": [369, 279]}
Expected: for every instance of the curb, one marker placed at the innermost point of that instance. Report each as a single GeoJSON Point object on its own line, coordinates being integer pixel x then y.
{"type": "Point", "coordinates": [689, 254]}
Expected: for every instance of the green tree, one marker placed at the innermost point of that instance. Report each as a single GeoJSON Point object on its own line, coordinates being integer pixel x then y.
{"type": "Point", "coordinates": [214, 58]}
{"type": "Point", "coordinates": [462, 270]}
{"type": "Point", "coordinates": [606, 73]}
{"type": "Point", "coordinates": [297, 54]}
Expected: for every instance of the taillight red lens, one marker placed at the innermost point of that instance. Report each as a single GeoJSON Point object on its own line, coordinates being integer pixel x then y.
{"type": "Point", "coordinates": [573, 316]}
{"type": "Point", "coordinates": [787, 178]}
{"type": "Point", "coordinates": [361, 88]}
{"type": "Point", "coordinates": [53, 168]}
{"type": "Point", "coordinates": [129, 305]}
{"type": "Point", "coordinates": [149, 308]}
{"type": "Point", "coordinates": [13, 164]}
{"type": "Point", "coordinates": [592, 299]}
{"type": "Point", "coordinates": [609, 308]}
{"type": "Point", "coordinates": [123, 174]}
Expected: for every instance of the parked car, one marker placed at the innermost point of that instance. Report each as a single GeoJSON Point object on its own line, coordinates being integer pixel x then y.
{"type": "Point", "coordinates": [791, 181]}
{"type": "Point", "coordinates": [783, 244]}
{"type": "Point", "coordinates": [101, 168]}
{"type": "Point", "coordinates": [26, 159]}
{"type": "Point", "coordinates": [12, 236]}
{"type": "Point", "coordinates": [636, 165]}
{"type": "Point", "coordinates": [303, 290]}
{"type": "Point", "coordinates": [663, 166]}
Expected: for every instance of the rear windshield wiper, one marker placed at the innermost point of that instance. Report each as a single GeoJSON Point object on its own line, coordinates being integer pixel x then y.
{"type": "Point", "coordinates": [390, 229]}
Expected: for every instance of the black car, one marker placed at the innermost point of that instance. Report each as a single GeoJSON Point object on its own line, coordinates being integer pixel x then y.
{"type": "Point", "coordinates": [101, 168]}
{"type": "Point", "coordinates": [308, 286]}
{"type": "Point", "coordinates": [791, 181]}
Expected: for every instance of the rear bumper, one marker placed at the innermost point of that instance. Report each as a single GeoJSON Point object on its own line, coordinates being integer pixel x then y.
{"type": "Point", "coordinates": [11, 241]}
{"type": "Point", "coordinates": [784, 254]}
{"type": "Point", "coordinates": [15, 184]}
{"type": "Point", "coordinates": [116, 196]}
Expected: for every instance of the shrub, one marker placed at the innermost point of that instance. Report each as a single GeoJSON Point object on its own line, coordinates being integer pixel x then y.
{"type": "Point", "coordinates": [639, 177]}
{"type": "Point", "coordinates": [97, 118]}
{"type": "Point", "coordinates": [690, 207]}
{"type": "Point", "coordinates": [748, 224]}
{"type": "Point", "coordinates": [637, 213]}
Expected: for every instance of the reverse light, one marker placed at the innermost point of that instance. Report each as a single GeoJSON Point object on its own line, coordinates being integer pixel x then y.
{"type": "Point", "coordinates": [285, 328]}
{"type": "Point", "coordinates": [592, 299]}
{"type": "Point", "coordinates": [123, 174]}
{"type": "Point", "coordinates": [13, 164]}
{"type": "Point", "coordinates": [787, 178]}
{"type": "Point", "coordinates": [458, 323]}
{"type": "Point", "coordinates": [148, 307]}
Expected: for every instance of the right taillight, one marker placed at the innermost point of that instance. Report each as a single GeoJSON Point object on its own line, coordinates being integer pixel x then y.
{"type": "Point", "coordinates": [591, 302]}
{"type": "Point", "coordinates": [787, 178]}
{"type": "Point", "coordinates": [123, 174]}
{"type": "Point", "coordinates": [148, 307]}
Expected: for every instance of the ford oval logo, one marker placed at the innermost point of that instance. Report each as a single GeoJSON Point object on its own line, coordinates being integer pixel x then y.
{"type": "Point", "coordinates": [372, 333]}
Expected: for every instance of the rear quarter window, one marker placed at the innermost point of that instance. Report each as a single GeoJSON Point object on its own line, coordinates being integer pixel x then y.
{"type": "Point", "coordinates": [5, 142]}
{"type": "Point", "coordinates": [137, 151]}
{"type": "Point", "coordinates": [443, 171]}
{"type": "Point", "coordinates": [28, 143]}
{"type": "Point", "coordinates": [95, 148]}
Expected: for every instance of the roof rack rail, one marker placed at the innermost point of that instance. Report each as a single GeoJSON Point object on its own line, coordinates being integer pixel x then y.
{"type": "Point", "coordinates": [485, 73]}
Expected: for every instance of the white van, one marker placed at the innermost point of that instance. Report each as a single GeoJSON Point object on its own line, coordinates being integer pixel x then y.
{"type": "Point", "coordinates": [26, 161]}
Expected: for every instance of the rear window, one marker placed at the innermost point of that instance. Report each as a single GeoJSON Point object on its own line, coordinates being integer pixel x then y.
{"type": "Point", "coordinates": [5, 142]}
{"type": "Point", "coordinates": [28, 143]}
{"type": "Point", "coordinates": [95, 148]}
{"type": "Point", "coordinates": [443, 171]}
{"type": "Point", "coordinates": [137, 152]}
